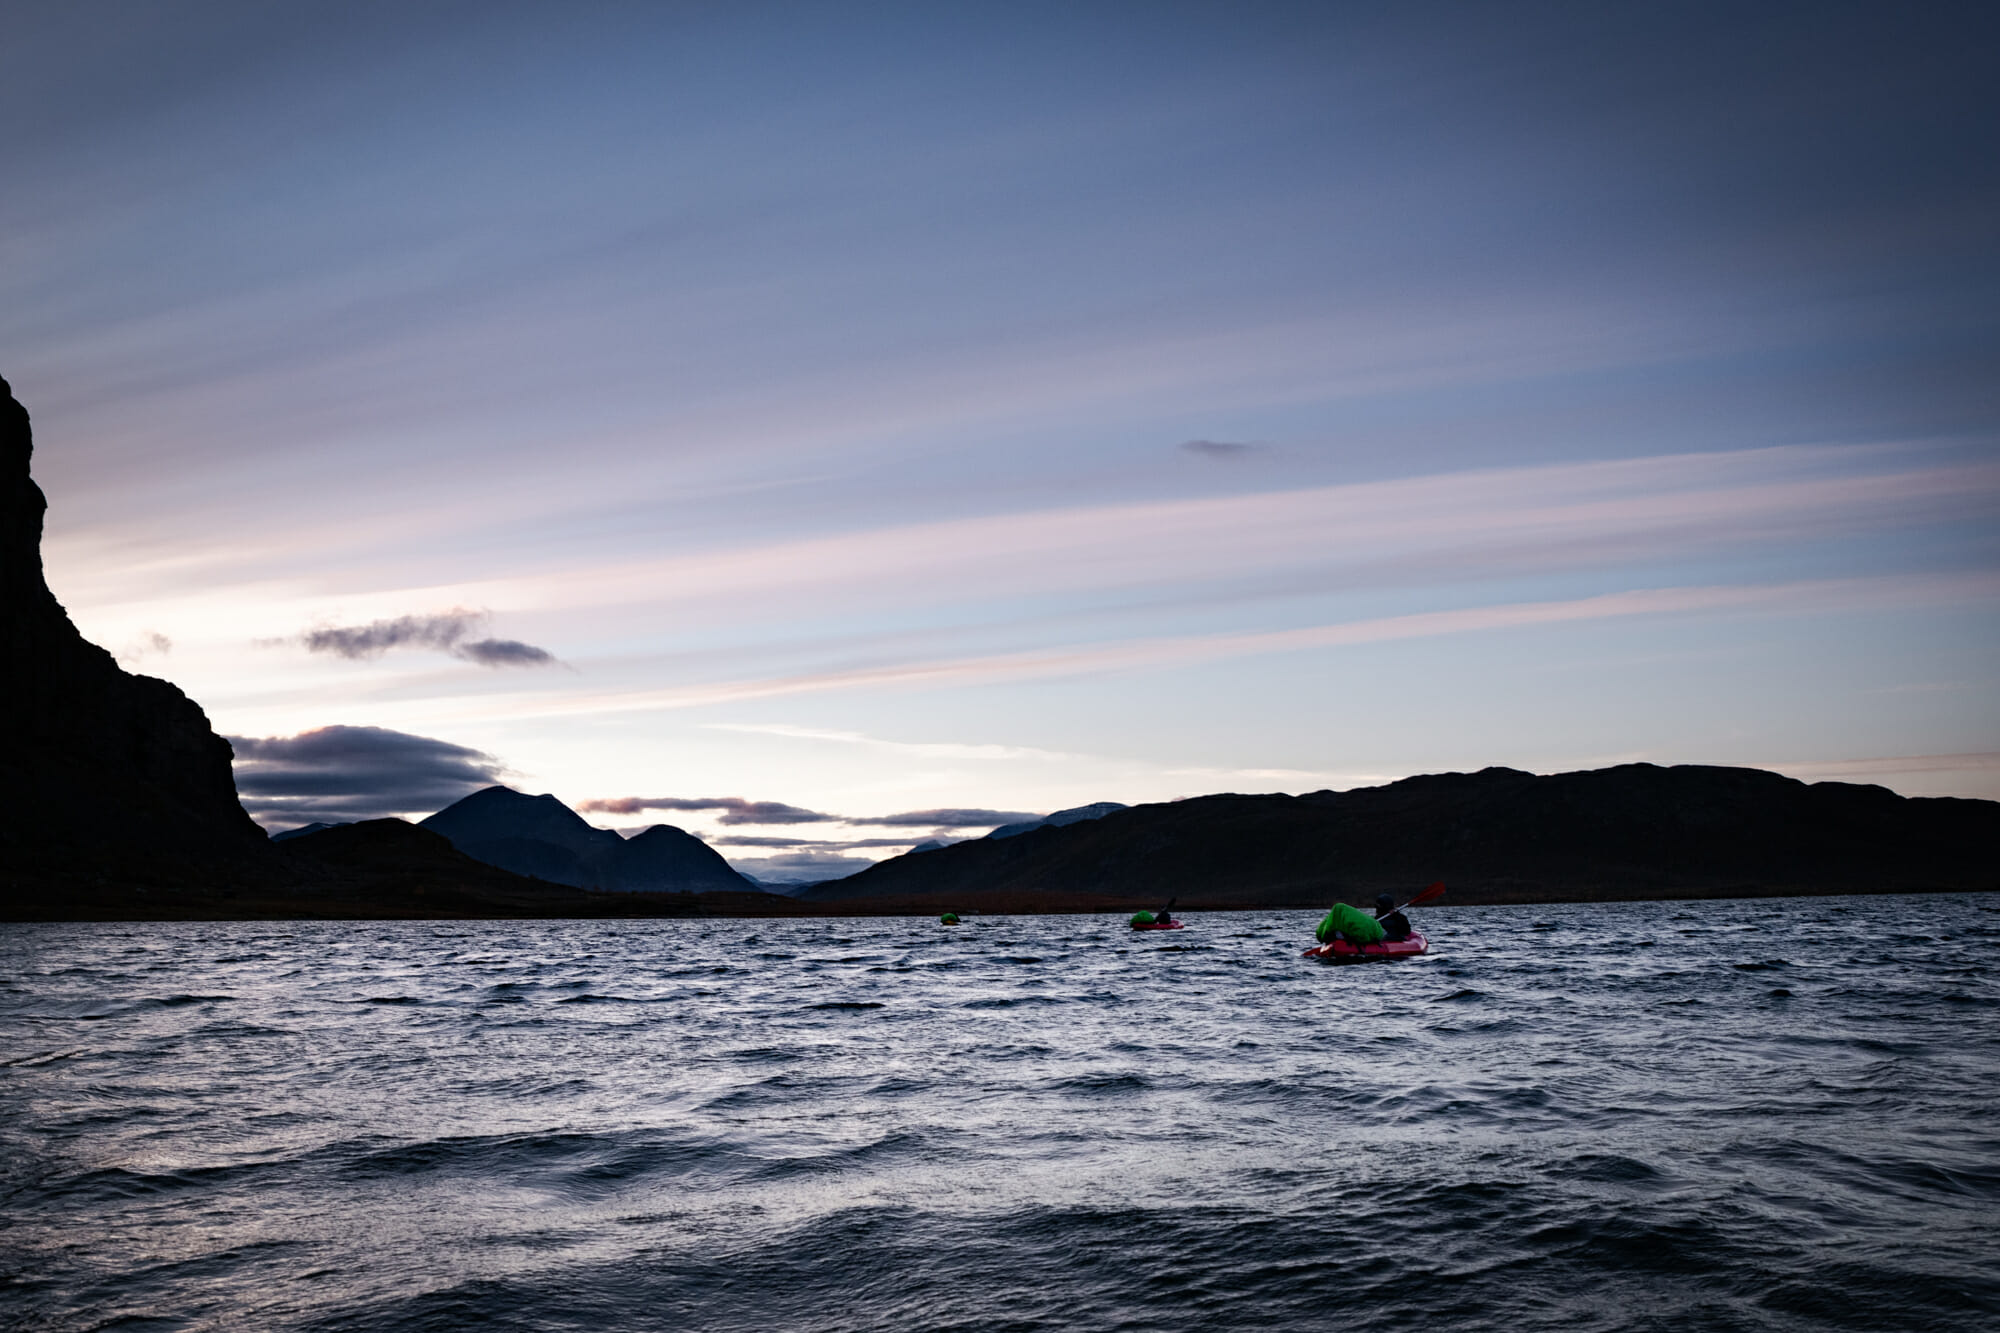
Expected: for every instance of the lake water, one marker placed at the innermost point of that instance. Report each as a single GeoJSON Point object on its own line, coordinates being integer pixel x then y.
{"type": "Point", "coordinates": [1737, 1115]}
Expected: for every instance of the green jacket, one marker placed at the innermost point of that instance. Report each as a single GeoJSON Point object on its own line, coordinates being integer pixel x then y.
{"type": "Point", "coordinates": [1357, 925]}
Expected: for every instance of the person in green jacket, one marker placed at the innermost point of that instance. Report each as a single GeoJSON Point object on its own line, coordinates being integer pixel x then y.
{"type": "Point", "coordinates": [1348, 923]}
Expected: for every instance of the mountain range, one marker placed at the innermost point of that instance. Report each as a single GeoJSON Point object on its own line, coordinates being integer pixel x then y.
{"type": "Point", "coordinates": [79, 737]}
{"type": "Point", "coordinates": [540, 837]}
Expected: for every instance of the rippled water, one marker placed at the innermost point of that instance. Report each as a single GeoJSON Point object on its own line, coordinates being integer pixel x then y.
{"type": "Point", "coordinates": [1758, 1115]}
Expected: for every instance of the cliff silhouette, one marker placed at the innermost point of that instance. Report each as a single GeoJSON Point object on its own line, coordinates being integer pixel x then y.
{"type": "Point", "coordinates": [117, 799]}
{"type": "Point", "coordinates": [105, 777]}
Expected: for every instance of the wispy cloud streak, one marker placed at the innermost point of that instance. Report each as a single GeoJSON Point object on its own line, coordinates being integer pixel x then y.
{"type": "Point", "coordinates": [928, 749]}
{"type": "Point", "coordinates": [1810, 596]}
{"type": "Point", "coordinates": [1467, 524]}
{"type": "Point", "coordinates": [949, 818]}
{"type": "Point", "coordinates": [735, 810]}
{"type": "Point", "coordinates": [1980, 761]}
{"type": "Point", "coordinates": [446, 632]}
{"type": "Point", "coordinates": [838, 845]}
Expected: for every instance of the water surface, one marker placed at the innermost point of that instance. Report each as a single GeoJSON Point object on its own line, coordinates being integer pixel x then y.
{"type": "Point", "coordinates": [1748, 1115]}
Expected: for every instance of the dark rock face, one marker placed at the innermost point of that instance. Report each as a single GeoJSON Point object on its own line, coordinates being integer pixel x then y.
{"type": "Point", "coordinates": [541, 837]}
{"type": "Point", "coordinates": [1636, 831]}
{"type": "Point", "coordinates": [103, 775]}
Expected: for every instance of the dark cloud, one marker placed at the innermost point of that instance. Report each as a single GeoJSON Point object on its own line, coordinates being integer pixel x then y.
{"type": "Point", "coordinates": [949, 818]}
{"type": "Point", "coordinates": [336, 774]}
{"type": "Point", "coordinates": [504, 652]}
{"type": "Point", "coordinates": [736, 809]}
{"type": "Point", "coordinates": [441, 632]}
{"type": "Point", "coordinates": [1219, 448]}
{"type": "Point", "coordinates": [621, 805]}
{"type": "Point", "coordinates": [848, 845]}
{"type": "Point", "coordinates": [772, 812]}
{"type": "Point", "coordinates": [445, 633]}
{"type": "Point", "coordinates": [801, 867]}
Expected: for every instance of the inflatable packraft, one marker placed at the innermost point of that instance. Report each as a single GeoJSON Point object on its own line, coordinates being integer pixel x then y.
{"type": "Point", "coordinates": [1343, 951]}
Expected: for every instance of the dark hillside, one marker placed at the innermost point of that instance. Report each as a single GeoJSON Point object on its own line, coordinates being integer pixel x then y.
{"type": "Point", "coordinates": [385, 869]}
{"type": "Point", "coordinates": [1500, 835]}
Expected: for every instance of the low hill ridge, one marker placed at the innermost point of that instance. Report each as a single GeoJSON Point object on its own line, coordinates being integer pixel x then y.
{"type": "Point", "coordinates": [1634, 831]}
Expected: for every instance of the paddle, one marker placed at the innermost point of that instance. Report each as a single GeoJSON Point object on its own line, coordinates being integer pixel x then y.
{"type": "Point", "coordinates": [1430, 895]}
{"type": "Point", "coordinates": [1166, 913]}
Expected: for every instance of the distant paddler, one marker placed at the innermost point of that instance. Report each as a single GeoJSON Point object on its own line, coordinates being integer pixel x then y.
{"type": "Point", "coordinates": [948, 919]}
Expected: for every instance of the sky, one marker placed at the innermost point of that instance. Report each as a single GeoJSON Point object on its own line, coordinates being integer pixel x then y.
{"type": "Point", "coordinates": [827, 427]}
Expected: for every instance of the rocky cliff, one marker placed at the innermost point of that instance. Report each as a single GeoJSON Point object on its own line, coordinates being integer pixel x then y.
{"type": "Point", "coordinates": [104, 776]}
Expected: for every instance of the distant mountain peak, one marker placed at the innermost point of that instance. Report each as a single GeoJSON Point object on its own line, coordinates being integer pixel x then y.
{"type": "Point", "coordinates": [492, 813]}
{"type": "Point", "coordinates": [1077, 814]}
{"type": "Point", "coordinates": [500, 796]}
{"type": "Point", "coordinates": [542, 837]}
{"type": "Point", "coordinates": [306, 830]}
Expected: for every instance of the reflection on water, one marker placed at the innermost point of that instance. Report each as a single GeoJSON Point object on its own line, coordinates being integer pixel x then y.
{"type": "Point", "coordinates": [1755, 1115]}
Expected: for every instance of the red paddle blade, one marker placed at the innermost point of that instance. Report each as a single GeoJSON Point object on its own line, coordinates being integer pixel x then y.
{"type": "Point", "coordinates": [1430, 895]}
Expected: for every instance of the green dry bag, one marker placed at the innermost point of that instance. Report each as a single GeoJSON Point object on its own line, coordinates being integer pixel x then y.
{"type": "Point", "coordinates": [1357, 925]}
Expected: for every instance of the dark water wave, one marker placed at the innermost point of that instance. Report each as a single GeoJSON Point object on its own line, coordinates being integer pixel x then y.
{"type": "Point", "coordinates": [1758, 1116]}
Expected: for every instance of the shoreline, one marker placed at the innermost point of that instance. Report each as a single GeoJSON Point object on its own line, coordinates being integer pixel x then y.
{"type": "Point", "coordinates": [136, 905]}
